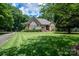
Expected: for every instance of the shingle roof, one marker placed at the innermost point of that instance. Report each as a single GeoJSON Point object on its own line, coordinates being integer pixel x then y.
{"type": "Point", "coordinates": [43, 21]}
{"type": "Point", "coordinates": [39, 21]}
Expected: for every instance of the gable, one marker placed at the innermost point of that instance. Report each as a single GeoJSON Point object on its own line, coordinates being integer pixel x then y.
{"type": "Point", "coordinates": [33, 23]}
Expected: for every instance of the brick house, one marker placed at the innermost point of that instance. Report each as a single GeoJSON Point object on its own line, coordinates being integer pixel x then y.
{"type": "Point", "coordinates": [40, 24]}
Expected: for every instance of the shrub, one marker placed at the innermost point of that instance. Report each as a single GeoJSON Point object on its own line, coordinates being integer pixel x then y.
{"type": "Point", "coordinates": [31, 30]}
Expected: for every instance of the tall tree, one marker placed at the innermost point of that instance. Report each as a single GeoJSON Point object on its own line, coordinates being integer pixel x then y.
{"type": "Point", "coordinates": [6, 18]}
{"type": "Point", "coordinates": [11, 18]}
{"type": "Point", "coordinates": [47, 12]}
{"type": "Point", "coordinates": [19, 18]}
{"type": "Point", "coordinates": [65, 15]}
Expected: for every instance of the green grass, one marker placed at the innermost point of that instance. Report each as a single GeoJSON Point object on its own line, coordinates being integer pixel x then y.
{"type": "Point", "coordinates": [40, 43]}
{"type": "Point", "coordinates": [20, 37]}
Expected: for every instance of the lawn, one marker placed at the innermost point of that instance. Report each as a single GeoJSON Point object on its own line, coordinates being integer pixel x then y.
{"type": "Point", "coordinates": [40, 43]}
{"type": "Point", "coordinates": [20, 37]}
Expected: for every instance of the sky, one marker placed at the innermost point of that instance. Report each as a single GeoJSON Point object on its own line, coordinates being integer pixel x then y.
{"type": "Point", "coordinates": [30, 9]}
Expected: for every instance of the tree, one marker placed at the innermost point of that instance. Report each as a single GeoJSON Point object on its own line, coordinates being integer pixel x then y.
{"type": "Point", "coordinates": [64, 15]}
{"type": "Point", "coordinates": [19, 18]}
{"type": "Point", "coordinates": [47, 12]}
{"type": "Point", "coordinates": [6, 18]}
{"type": "Point", "coordinates": [11, 18]}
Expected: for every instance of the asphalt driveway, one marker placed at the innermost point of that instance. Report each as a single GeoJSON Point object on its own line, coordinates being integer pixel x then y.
{"type": "Point", "coordinates": [5, 37]}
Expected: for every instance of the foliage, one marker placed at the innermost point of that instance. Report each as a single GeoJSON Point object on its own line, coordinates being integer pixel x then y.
{"type": "Point", "coordinates": [6, 18]}
{"type": "Point", "coordinates": [19, 19]}
{"type": "Point", "coordinates": [46, 11]}
{"type": "Point", "coordinates": [67, 15]}
{"type": "Point", "coordinates": [33, 30]}
{"type": "Point", "coordinates": [11, 18]}
{"type": "Point", "coordinates": [64, 15]}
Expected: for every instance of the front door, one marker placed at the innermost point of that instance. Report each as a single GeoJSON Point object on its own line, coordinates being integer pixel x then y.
{"type": "Point", "coordinates": [47, 27]}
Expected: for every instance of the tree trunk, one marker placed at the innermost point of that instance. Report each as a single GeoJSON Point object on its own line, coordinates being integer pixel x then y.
{"type": "Point", "coordinates": [69, 30]}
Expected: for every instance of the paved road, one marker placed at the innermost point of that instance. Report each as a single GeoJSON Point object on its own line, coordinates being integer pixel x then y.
{"type": "Point", "coordinates": [5, 37]}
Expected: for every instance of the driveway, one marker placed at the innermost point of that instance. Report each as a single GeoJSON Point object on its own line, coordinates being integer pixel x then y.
{"type": "Point", "coordinates": [5, 37]}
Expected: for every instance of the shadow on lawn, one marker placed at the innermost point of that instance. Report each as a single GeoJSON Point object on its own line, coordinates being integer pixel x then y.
{"type": "Point", "coordinates": [44, 46]}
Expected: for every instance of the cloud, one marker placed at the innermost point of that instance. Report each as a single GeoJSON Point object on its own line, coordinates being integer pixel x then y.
{"type": "Point", "coordinates": [31, 9]}
{"type": "Point", "coordinates": [14, 4]}
{"type": "Point", "coordinates": [23, 10]}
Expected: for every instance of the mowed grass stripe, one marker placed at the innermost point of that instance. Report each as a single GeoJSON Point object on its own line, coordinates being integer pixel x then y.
{"type": "Point", "coordinates": [24, 37]}
{"type": "Point", "coordinates": [27, 36]}
{"type": "Point", "coordinates": [31, 35]}
{"type": "Point", "coordinates": [20, 39]}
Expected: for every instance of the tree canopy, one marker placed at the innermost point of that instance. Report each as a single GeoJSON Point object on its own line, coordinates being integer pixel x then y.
{"type": "Point", "coordinates": [11, 18]}
{"type": "Point", "coordinates": [6, 17]}
{"type": "Point", "coordinates": [64, 15]}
